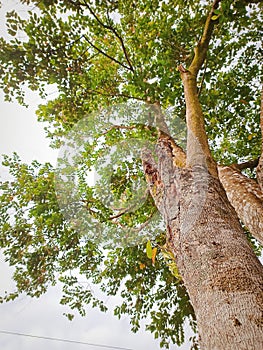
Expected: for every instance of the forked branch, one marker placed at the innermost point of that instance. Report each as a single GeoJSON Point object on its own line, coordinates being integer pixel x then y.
{"type": "Point", "coordinates": [114, 31]}
{"type": "Point", "coordinates": [105, 54]}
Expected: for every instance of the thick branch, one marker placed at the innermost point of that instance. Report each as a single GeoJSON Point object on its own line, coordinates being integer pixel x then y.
{"type": "Point", "coordinates": [202, 46]}
{"type": "Point", "coordinates": [251, 164]}
{"type": "Point", "coordinates": [198, 151]}
{"type": "Point", "coordinates": [153, 177]}
{"type": "Point", "coordinates": [246, 197]}
{"type": "Point", "coordinates": [178, 154]}
{"type": "Point", "coordinates": [202, 80]}
{"type": "Point", "coordinates": [162, 183]}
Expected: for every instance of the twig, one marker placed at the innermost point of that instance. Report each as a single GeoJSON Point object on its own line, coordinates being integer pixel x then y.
{"type": "Point", "coordinates": [126, 210]}
{"type": "Point", "coordinates": [105, 54]}
{"type": "Point", "coordinates": [118, 127]}
{"type": "Point", "coordinates": [113, 30]}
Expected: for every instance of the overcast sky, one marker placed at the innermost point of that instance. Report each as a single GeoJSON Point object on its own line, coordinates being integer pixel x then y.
{"type": "Point", "coordinates": [20, 132]}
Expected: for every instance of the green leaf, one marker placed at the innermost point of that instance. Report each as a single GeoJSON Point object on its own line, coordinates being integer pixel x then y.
{"type": "Point", "coordinates": [149, 250]}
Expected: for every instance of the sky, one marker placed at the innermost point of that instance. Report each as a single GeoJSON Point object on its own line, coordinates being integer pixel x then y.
{"type": "Point", "coordinates": [20, 132]}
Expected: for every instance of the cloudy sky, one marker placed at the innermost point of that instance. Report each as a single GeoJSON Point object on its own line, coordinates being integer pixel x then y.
{"type": "Point", "coordinates": [20, 132]}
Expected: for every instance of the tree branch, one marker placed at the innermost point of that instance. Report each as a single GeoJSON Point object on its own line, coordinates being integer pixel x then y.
{"type": "Point", "coordinates": [113, 30]}
{"type": "Point", "coordinates": [202, 46]}
{"type": "Point", "coordinates": [251, 164]}
{"type": "Point", "coordinates": [245, 196]}
{"type": "Point", "coordinates": [123, 211]}
{"type": "Point", "coordinates": [116, 95]}
{"type": "Point", "coordinates": [252, 1]}
{"type": "Point", "coordinates": [178, 154]}
{"type": "Point", "coordinates": [126, 127]}
{"type": "Point", "coordinates": [198, 151]}
{"type": "Point", "coordinates": [105, 54]}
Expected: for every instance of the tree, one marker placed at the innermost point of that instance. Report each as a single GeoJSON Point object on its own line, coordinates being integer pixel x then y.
{"type": "Point", "coordinates": [203, 59]}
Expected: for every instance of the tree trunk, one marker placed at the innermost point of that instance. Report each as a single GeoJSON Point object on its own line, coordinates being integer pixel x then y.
{"type": "Point", "coordinates": [260, 163]}
{"type": "Point", "coordinates": [223, 276]}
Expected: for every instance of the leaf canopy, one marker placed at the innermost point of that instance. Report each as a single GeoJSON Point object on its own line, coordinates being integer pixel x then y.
{"type": "Point", "coordinates": [99, 54]}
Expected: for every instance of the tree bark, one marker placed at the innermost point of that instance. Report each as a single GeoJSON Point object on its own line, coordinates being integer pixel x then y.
{"type": "Point", "coordinates": [223, 276]}
{"type": "Point", "coordinates": [221, 273]}
{"type": "Point", "coordinates": [246, 197]}
{"type": "Point", "coordinates": [260, 163]}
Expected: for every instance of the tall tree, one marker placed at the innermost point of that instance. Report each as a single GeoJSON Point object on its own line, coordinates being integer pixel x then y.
{"type": "Point", "coordinates": [202, 58]}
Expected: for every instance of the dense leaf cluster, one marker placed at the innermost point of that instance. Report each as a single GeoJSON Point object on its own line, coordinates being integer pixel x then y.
{"type": "Point", "coordinates": [97, 54]}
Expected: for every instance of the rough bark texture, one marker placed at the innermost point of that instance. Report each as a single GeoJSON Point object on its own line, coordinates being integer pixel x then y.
{"type": "Point", "coordinates": [223, 277]}
{"type": "Point", "coordinates": [246, 197]}
{"type": "Point", "coordinates": [198, 152]}
{"type": "Point", "coordinates": [260, 163]}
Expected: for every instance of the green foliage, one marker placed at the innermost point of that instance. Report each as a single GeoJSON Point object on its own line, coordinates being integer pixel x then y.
{"type": "Point", "coordinates": [97, 54]}
{"type": "Point", "coordinates": [38, 241]}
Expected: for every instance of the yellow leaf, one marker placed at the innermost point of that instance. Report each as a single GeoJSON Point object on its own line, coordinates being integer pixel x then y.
{"type": "Point", "coordinates": [215, 17]}
{"type": "Point", "coordinates": [142, 266]}
{"type": "Point", "coordinates": [154, 252]}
